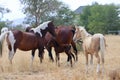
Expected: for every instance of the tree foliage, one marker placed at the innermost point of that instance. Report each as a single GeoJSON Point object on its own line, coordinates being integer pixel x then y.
{"type": "Point", "coordinates": [38, 10]}
{"type": "Point", "coordinates": [100, 18]}
{"type": "Point", "coordinates": [2, 12]}
{"type": "Point", "coordinates": [64, 17]}
{"type": "Point", "coordinates": [2, 24]}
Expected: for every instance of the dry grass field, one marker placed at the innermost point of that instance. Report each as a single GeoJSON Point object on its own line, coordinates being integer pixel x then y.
{"type": "Point", "coordinates": [20, 69]}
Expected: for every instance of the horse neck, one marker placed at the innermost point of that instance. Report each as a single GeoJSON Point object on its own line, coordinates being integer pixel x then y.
{"type": "Point", "coordinates": [44, 32]}
{"type": "Point", "coordinates": [85, 34]}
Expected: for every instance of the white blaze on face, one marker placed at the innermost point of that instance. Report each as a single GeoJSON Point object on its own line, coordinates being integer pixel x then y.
{"type": "Point", "coordinates": [42, 26]}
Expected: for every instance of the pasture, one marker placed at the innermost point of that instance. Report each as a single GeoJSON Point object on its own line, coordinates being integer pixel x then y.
{"type": "Point", "coordinates": [20, 69]}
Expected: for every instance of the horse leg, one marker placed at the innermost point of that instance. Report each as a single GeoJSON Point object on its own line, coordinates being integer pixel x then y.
{"type": "Point", "coordinates": [102, 60]}
{"type": "Point", "coordinates": [86, 55]}
{"type": "Point", "coordinates": [70, 59]}
{"type": "Point", "coordinates": [41, 51]}
{"type": "Point", "coordinates": [70, 55]}
{"type": "Point", "coordinates": [91, 61]}
{"type": "Point", "coordinates": [57, 59]}
{"type": "Point", "coordinates": [50, 53]}
{"type": "Point", "coordinates": [75, 50]}
{"type": "Point", "coordinates": [73, 56]}
{"type": "Point", "coordinates": [32, 58]}
{"type": "Point", "coordinates": [98, 62]}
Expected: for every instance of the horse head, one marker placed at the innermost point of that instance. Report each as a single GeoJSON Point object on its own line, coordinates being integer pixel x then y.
{"type": "Point", "coordinates": [45, 27]}
{"type": "Point", "coordinates": [77, 35]}
{"type": "Point", "coordinates": [48, 27]}
{"type": "Point", "coordinates": [80, 33]}
{"type": "Point", "coordinates": [28, 29]}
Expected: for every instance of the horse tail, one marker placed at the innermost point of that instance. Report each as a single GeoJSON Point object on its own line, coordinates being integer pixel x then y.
{"type": "Point", "coordinates": [102, 47]}
{"type": "Point", "coordinates": [2, 38]}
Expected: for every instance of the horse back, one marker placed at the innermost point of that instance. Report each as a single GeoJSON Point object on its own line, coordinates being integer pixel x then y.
{"type": "Point", "coordinates": [65, 35]}
{"type": "Point", "coordinates": [92, 44]}
{"type": "Point", "coordinates": [25, 41]}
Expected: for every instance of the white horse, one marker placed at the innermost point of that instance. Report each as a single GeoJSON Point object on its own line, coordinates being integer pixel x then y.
{"type": "Point", "coordinates": [92, 44]}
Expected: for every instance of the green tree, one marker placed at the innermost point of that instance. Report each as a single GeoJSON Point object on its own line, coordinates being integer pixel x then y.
{"type": "Point", "coordinates": [2, 24]}
{"type": "Point", "coordinates": [64, 17]}
{"type": "Point", "coordinates": [84, 16]}
{"type": "Point", "coordinates": [2, 12]}
{"type": "Point", "coordinates": [38, 10]}
{"type": "Point", "coordinates": [112, 17]}
{"type": "Point", "coordinates": [96, 19]}
{"type": "Point", "coordinates": [100, 18]}
{"type": "Point", "coordinates": [19, 27]}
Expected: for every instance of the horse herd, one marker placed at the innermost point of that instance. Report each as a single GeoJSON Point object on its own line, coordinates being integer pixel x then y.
{"type": "Point", "coordinates": [62, 38]}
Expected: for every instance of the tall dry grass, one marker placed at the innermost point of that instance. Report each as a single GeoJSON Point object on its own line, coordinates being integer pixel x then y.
{"type": "Point", "coordinates": [20, 69]}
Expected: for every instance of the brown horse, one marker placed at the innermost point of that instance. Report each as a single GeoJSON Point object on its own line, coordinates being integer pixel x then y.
{"type": "Point", "coordinates": [65, 39]}
{"type": "Point", "coordinates": [92, 44]}
{"type": "Point", "coordinates": [28, 41]}
{"type": "Point", "coordinates": [62, 43]}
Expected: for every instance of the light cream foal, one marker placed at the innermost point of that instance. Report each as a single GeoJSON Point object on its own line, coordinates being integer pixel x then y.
{"type": "Point", "coordinates": [92, 44]}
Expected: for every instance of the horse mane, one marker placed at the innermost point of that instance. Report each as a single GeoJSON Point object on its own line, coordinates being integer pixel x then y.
{"type": "Point", "coordinates": [41, 27]}
{"type": "Point", "coordinates": [84, 31]}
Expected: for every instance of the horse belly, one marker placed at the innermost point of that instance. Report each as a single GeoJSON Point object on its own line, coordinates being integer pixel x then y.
{"type": "Point", "coordinates": [96, 44]}
{"type": "Point", "coordinates": [92, 45]}
{"type": "Point", "coordinates": [65, 38]}
{"type": "Point", "coordinates": [59, 49]}
{"type": "Point", "coordinates": [28, 45]}
{"type": "Point", "coordinates": [26, 48]}
{"type": "Point", "coordinates": [87, 45]}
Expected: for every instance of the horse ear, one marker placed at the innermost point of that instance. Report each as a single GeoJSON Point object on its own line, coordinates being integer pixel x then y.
{"type": "Point", "coordinates": [74, 27]}
{"type": "Point", "coordinates": [52, 21]}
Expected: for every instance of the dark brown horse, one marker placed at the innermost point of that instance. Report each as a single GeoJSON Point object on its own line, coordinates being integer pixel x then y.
{"type": "Point", "coordinates": [62, 43]}
{"type": "Point", "coordinates": [28, 41]}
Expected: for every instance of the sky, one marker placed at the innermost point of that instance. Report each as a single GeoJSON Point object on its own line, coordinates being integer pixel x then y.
{"type": "Point", "coordinates": [16, 8]}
